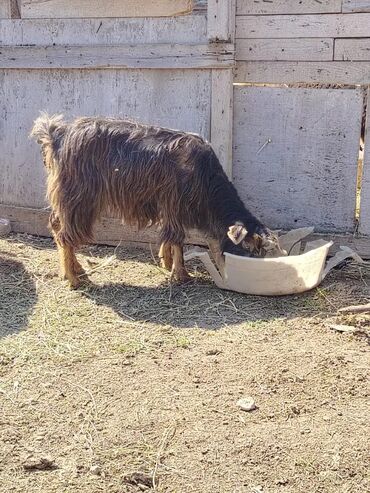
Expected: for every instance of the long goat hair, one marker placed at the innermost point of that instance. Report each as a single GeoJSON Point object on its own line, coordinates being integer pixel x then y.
{"type": "Point", "coordinates": [142, 174]}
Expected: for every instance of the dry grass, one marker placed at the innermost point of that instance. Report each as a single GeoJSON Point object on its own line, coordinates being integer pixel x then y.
{"type": "Point", "coordinates": [140, 379]}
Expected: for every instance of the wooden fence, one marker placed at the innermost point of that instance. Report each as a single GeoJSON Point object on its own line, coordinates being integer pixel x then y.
{"type": "Point", "coordinates": [288, 130]}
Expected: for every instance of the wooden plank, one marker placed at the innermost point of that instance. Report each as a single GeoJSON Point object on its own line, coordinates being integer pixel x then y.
{"type": "Point", "coordinates": [294, 72]}
{"type": "Point", "coordinates": [295, 159]}
{"type": "Point", "coordinates": [170, 98]}
{"type": "Point", "coordinates": [112, 232]}
{"type": "Point", "coordinates": [183, 29]}
{"type": "Point", "coordinates": [221, 20]}
{"type": "Point", "coordinates": [352, 49]}
{"type": "Point", "coordinates": [303, 26]}
{"type": "Point", "coordinates": [356, 6]}
{"type": "Point", "coordinates": [262, 7]}
{"type": "Point", "coordinates": [108, 231]}
{"type": "Point", "coordinates": [51, 9]}
{"type": "Point", "coordinates": [365, 188]}
{"type": "Point", "coordinates": [118, 56]}
{"type": "Point", "coordinates": [360, 244]}
{"type": "Point", "coordinates": [222, 117]}
{"type": "Point", "coordinates": [310, 49]}
{"type": "Point", "coordinates": [5, 9]}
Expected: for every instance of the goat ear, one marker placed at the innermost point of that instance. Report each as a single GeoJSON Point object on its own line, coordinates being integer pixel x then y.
{"type": "Point", "coordinates": [270, 245]}
{"type": "Point", "coordinates": [237, 233]}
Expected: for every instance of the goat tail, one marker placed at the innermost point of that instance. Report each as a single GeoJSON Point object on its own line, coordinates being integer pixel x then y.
{"type": "Point", "coordinates": [44, 127]}
{"type": "Point", "coordinates": [44, 132]}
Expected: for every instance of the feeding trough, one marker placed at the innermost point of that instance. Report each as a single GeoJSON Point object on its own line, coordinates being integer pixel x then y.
{"type": "Point", "coordinates": [295, 273]}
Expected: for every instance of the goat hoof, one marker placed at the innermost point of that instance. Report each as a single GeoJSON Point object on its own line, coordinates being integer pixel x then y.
{"type": "Point", "coordinates": [165, 264]}
{"type": "Point", "coordinates": [80, 272]}
{"type": "Point", "coordinates": [181, 277]}
{"type": "Point", "coordinates": [74, 283]}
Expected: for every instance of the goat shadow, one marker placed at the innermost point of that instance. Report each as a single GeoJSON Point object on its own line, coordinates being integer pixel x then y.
{"type": "Point", "coordinates": [125, 251]}
{"type": "Point", "coordinates": [17, 296]}
{"type": "Point", "coordinates": [199, 304]}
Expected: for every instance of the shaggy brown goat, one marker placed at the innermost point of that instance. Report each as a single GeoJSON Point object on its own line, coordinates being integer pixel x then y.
{"type": "Point", "coordinates": [144, 175]}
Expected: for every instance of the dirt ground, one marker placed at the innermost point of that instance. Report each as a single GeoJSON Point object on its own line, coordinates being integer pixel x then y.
{"type": "Point", "coordinates": [131, 383]}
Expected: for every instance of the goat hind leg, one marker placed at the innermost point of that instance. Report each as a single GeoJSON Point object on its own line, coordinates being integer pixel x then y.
{"type": "Point", "coordinates": [69, 262]}
{"type": "Point", "coordinates": [179, 271]}
{"type": "Point", "coordinates": [70, 268]}
{"type": "Point", "coordinates": [165, 256]}
{"type": "Point", "coordinates": [77, 267]}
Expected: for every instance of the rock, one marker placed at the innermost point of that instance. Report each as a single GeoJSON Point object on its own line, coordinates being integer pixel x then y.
{"type": "Point", "coordinates": [343, 328]}
{"type": "Point", "coordinates": [142, 480]}
{"type": "Point", "coordinates": [95, 470]}
{"type": "Point", "coordinates": [282, 481]}
{"type": "Point", "coordinates": [213, 352]}
{"type": "Point", "coordinates": [246, 404]}
{"type": "Point", "coordinates": [5, 227]}
{"type": "Point", "coordinates": [257, 489]}
{"type": "Point", "coordinates": [39, 464]}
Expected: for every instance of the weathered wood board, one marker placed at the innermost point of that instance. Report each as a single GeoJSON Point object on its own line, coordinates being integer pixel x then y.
{"type": "Point", "coordinates": [172, 98]}
{"type": "Point", "coordinates": [263, 7]}
{"type": "Point", "coordinates": [293, 72]}
{"type": "Point", "coordinates": [111, 232]}
{"type": "Point", "coordinates": [108, 231]}
{"type": "Point", "coordinates": [310, 49]}
{"type": "Point", "coordinates": [303, 26]}
{"type": "Point", "coordinates": [49, 9]}
{"type": "Point", "coordinates": [355, 49]}
{"type": "Point", "coordinates": [184, 29]}
{"type": "Point", "coordinates": [365, 190]}
{"type": "Point", "coordinates": [295, 155]}
{"type": "Point", "coordinates": [5, 9]}
{"type": "Point", "coordinates": [118, 56]}
{"type": "Point", "coordinates": [356, 6]}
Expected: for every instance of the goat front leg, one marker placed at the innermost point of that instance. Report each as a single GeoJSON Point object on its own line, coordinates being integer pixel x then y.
{"type": "Point", "coordinates": [179, 271]}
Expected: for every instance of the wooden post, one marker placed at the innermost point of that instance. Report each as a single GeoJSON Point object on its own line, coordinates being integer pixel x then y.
{"type": "Point", "coordinates": [221, 28]}
{"type": "Point", "coordinates": [222, 117]}
{"type": "Point", "coordinates": [221, 20]}
{"type": "Point", "coordinates": [365, 189]}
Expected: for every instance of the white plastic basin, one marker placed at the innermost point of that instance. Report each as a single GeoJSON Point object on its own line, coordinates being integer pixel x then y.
{"type": "Point", "coordinates": [275, 276]}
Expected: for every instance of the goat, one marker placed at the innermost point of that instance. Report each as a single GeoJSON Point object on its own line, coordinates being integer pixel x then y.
{"type": "Point", "coordinates": [144, 175]}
